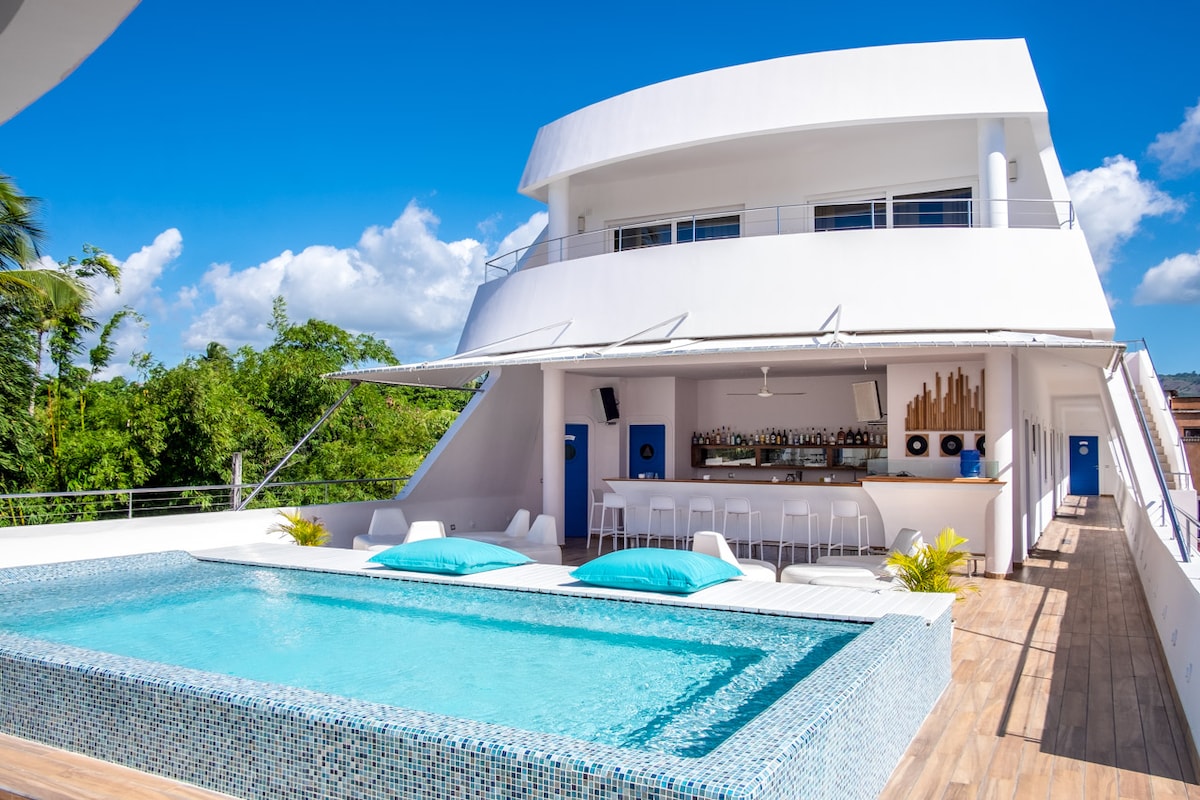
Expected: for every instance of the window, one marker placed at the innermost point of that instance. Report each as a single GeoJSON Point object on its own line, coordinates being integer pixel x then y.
{"type": "Point", "coordinates": [635, 236]}
{"type": "Point", "coordinates": [712, 228]}
{"type": "Point", "coordinates": [946, 209]}
{"type": "Point", "coordinates": [1191, 433]}
{"type": "Point", "coordinates": [851, 216]}
{"type": "Point", "coordinates": [632, 237]}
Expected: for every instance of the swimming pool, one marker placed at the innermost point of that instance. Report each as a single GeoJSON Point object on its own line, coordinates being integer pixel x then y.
{"type": "Point", "coordinates": [253, 736]}
{"type": "Point", "coordinates": [675, 680]}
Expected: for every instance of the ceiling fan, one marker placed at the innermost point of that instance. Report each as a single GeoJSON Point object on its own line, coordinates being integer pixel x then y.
{"type": "Point", "coordinates": [765, 391]}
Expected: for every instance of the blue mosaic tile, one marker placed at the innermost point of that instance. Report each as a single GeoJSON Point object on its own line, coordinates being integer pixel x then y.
{"type": "Point", "coordinates": [838, 733]}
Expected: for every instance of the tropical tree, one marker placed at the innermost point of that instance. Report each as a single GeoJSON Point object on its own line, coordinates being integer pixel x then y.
{"type": "Point", "coordinates": [21, 235]}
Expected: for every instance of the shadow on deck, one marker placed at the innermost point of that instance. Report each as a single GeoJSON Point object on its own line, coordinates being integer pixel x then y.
{"type": "Point", "coordinates": [1059, 689]}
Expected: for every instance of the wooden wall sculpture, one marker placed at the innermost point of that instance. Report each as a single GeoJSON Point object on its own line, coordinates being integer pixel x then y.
{"type": "Point", "coordinates": [959, 408]}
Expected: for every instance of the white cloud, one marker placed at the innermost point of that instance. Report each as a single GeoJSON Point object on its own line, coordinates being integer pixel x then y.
{"type": "Point", "coordinates": [400, 282]}
{"type": "Point", "coordinates": [1176, 280]}
{"type": "Point", "coordinates": [1179, 150]}
{"type": "Point", "coordinates": [1111, 201]}
{"type": "Point", "coordinates": [139, 277]}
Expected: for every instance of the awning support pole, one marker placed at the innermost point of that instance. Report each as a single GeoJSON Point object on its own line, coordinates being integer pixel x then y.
{"type": "Point", "coordinates": [299, 444]}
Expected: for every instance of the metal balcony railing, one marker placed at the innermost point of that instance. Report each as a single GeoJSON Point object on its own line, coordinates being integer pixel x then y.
{"type": "Point", "coordinates": [777, 221]}
{"type": "Point", "coordinates": [39, 508]}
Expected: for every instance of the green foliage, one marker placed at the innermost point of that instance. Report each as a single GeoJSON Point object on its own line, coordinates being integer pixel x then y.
{"type": "Point", "coordinates": [304, 532]}
{"type": "Point", "coordinates": [180, 426]}
{"type": "Point", "coordinates": [21, 233]}
{"type": "Point", "coordinates": [928, 570]}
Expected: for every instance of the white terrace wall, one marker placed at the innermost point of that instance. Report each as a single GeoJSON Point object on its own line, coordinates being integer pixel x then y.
{"type": "Point", "coordinates": [1172, 587]}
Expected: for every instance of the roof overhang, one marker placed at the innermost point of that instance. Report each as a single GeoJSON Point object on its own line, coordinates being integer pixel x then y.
{"type": "Point", "coordinates": [43, 41]}
{"type": "Point", "coordinates": [707, 359]}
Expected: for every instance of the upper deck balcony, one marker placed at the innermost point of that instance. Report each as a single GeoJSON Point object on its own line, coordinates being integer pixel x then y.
{"type": "Point", "coordinates": [927, 210]}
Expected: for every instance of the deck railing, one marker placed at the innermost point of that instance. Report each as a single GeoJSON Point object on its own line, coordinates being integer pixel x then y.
{"type": "Point", "coordinates": [38, 508]}
{"type": "Point", "coordinates": [777, 221]}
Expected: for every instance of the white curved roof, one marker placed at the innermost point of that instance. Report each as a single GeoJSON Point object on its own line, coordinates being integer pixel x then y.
{"type": "Point", "coordinates": [897, 83]}
{"type": "Point", "coordinates": [43, 41]}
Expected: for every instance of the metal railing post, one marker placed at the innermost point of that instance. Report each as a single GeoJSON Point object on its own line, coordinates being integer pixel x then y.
{"type": "Point", "coordinates": [1185, 551]}
{"type": "Point", "coordinates": [299, 444]}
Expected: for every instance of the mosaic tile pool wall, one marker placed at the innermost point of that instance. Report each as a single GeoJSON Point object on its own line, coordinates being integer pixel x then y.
{"type": "Point", "coordinates": [838, 733]}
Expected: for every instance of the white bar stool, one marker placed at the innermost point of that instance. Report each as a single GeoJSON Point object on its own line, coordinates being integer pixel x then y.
{"type": "Point", "coordinates": [659, 504]}
{"type": "Point", "coordinates": [841, 512]}
{"type": "Point", "coordinates": [740, 507]}
{"type": "Point", "coordinates": [614, 503]}
{"type": "Point", "coordinates": [700, 505]}
{"type": "Point", "coordinates": [798, 509]}
{"type": "Point", "coordinates": [593, 524]}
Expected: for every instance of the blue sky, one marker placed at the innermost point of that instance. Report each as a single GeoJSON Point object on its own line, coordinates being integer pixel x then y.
{"type": "Point", "coordinates": [227, 152]}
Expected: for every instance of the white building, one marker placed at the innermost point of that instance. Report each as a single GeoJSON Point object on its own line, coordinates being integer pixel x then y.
{"type": "Point", "coordinates": [802, 215]}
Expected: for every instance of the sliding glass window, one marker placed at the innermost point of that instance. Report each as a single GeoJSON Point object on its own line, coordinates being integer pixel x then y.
{"type": "Point", "coordinates": [851, 216]}
{"type": "Point", "coordinates": [946, 209]}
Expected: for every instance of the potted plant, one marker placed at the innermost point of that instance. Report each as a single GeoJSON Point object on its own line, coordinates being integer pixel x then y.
{"type": "Point", "coordinates": [303, 531]}
{"type": "Point", "coordinates": [928, 569]}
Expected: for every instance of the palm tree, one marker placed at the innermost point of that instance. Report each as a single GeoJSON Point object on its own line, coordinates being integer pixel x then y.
{"type": "Point", "coordinates": [40, 295]}
{"type": "Point", "coordinates": [21, 235]}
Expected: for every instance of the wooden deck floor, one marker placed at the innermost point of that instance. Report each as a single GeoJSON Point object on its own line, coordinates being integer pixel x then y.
{"type": "Point", "coordinates": [1058, 692]}
{"type": "Point", "coordinates": [1059, 689]}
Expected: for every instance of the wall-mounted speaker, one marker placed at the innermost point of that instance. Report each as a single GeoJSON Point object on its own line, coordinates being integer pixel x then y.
{"type": "Point", "coordinates": [866, 401]}
{"type": "Point", "coordinates": [979, 444]}
{"type": "Point", "coordinates": [917, 444]}
{"type": "Point", "coordinates": [605, 399]}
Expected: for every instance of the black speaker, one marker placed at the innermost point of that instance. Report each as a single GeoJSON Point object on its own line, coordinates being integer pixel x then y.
{"type": "Point", "coordinates": [606, 404]}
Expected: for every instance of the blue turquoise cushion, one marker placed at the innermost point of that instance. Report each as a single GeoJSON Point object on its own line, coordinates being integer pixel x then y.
{"type": "Point", "coordinates": [656, 570]}
{"type": "Point", "coordinates": [449, 556]}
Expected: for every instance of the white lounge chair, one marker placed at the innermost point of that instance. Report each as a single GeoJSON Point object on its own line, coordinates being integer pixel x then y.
{"type": "Point", "coordinates": [425, 529]}
{"type": "Point", "coordinates": [388, 527]}
{"type": "Point", "coordinates": [518, 528]}
{"type": "Point", "coordinates": [907, 541]}
{"type": "Point", "coordinates": [849, 577]}
{"type": "Point", "coordinates": [713, 544]}
{"type": "Point", "coordinates": [538, 541]}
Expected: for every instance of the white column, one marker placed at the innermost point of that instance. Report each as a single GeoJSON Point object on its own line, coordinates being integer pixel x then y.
{"type": "Point", "coordinates": [554, 429]}
{"type": "Point", "coordinates": [998, 402]}
{"type": "Point", "coordinates": [559, 211]}
{"type": "Point", "coordinates": [993, 173]}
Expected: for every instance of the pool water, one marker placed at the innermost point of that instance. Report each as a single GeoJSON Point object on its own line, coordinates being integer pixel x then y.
{"type": "Point", "coordinates": [670, 679]}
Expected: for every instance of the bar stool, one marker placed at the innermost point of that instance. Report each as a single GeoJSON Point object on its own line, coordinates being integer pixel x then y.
{"type": "Point", "coordinates": [658, 505]}
{"type": "Point", "coordinates": [700, 505]}
{"type": "Point", "coordinates": [798, 509]}
{"type": "Point", "coordinates": [616, 504]}
{"type": "Point", "coordinates": [740, 507]}
{"type": "Point", "coordinates": [841, 512]}
{"type": "Point", "coordinates": [593, 524]}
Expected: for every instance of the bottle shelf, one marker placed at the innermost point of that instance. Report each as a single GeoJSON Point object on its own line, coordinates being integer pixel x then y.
{"type": "Point", "coordinates": [773, 456]}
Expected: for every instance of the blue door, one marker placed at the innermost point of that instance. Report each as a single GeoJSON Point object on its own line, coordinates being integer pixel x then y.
{"type": "Point", "coordinates": [577, 500]}
{"type": "Point", "coordinates": [648, 451]}
{"type": "Point", "coordinates": [1085, 465]}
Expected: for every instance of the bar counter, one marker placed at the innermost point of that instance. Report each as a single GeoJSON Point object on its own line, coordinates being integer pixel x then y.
{"type": "Point", "coordinates": [890, 502]}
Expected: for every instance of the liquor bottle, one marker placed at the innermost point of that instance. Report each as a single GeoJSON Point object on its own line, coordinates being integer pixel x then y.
{"type": "Point", "coordinates": [841, 436]}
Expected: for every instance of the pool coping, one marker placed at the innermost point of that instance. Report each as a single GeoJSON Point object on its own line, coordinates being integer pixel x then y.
{"type": "Point", "coordinates": [760, 760]}
{"type": "Point", "coordinates": [785, 599]}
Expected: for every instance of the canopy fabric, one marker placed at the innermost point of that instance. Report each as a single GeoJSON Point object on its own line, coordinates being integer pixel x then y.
{"type": "Point", "coordinates": [454, 372]}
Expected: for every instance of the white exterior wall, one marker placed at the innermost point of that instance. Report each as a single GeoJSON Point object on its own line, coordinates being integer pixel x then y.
{"type": "Point", "coordinates": [806, 92]}
{"type": "Point", "coordinates": [489, 463]}
{"type": "Point", "coordinates": [891, 280]}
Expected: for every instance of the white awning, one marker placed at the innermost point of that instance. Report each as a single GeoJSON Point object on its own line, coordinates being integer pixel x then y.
{"type": "Point", "coordinates": [728, 357]}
